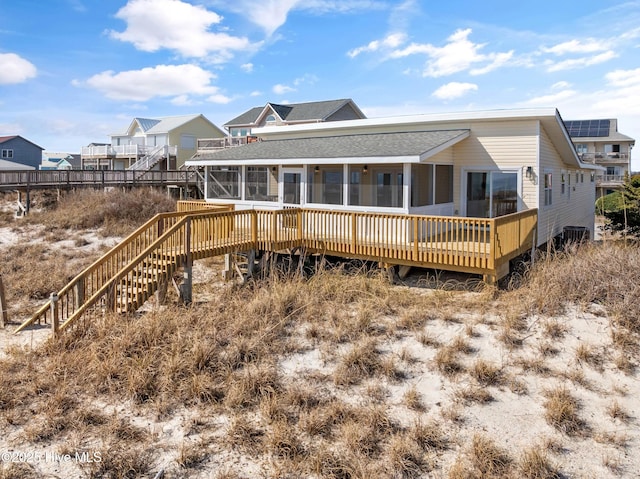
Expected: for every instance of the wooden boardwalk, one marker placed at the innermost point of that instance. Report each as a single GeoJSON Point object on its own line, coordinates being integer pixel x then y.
{"type": "Point", "coordinates": [47, 179]}
{"type": "Point", "coordinates": [143, 263]}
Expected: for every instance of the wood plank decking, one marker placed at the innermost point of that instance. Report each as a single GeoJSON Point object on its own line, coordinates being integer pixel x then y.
{"type": "Point", "coordinates": [125, 277]}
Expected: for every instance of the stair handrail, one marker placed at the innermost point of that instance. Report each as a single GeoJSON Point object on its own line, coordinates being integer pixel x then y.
{"type": "Point", "coordinates": [110, 284]}
{"type": "Point", "coordinates": [144, 163]}
{"type": "Point", "coordinates": [149, 231]}
{"type": "Point", "coordinates": [70, 303]}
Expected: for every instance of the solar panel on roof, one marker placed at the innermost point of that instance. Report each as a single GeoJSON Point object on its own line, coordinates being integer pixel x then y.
{"type": "Point", "coordinates": [588, 128]}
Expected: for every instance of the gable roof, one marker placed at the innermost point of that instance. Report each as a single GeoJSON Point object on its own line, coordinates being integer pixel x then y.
{"type": "Point", "coordinates": [155, 126]}
{"type": "Point", "coordinates": [146, 123]}
{"type": "Point", "coordinates": [4, 139]}
{"type": "Point", "coordinates": [411, 147]}
{"type": "Point", "coordinates": [295, 112]}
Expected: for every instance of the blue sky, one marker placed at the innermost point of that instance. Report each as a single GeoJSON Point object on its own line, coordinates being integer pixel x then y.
{"type": "Point", "coordinates": [75, 71]}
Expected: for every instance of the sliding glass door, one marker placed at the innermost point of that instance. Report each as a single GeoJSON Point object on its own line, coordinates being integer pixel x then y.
{"type": "Point", "coordinates": [491, 193]}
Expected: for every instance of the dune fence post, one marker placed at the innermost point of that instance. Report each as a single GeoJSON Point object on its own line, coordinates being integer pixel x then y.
{"type": "Point", "coordinates": [3, 306]}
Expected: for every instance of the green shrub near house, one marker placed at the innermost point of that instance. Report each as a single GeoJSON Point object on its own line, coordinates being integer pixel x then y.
{"type": "Point", "coordinates": [609, 203]}
{"type": "Point", "coordinates": [625, 218]}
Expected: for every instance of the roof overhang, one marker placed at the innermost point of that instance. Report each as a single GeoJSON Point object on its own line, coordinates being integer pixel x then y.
{"type": "Point", "coordinates": [405, 147]}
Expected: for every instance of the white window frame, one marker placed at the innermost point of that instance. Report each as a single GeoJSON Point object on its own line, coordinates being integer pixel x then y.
{"type": "Point", "coordinates": [546, 188]}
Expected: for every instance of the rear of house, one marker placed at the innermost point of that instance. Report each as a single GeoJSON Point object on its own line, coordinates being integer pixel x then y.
{"type": "Point", "coordinates": [471, 165]}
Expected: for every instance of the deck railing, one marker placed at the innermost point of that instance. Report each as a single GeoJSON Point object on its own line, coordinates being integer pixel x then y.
{"type": "Point", "coordinates": [80, 178]}
{"type": "Point", "coordinates": [128, 151]}
{"type": "Point", "coordinates": [128, 274]}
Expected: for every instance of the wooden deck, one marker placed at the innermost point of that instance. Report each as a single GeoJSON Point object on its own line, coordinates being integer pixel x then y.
{"type": "Point", "coordinates": [125, 277]}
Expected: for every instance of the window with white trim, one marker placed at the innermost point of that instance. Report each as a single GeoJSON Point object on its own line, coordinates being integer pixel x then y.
{"type": "Point", "coordinates": [548, 188]}
{"type": "Point", "coordinates": [7, 153]}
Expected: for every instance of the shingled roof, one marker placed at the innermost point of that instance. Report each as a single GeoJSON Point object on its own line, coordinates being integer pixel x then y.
{"type": "Point", "coordinates": [418, 145]}
{"type": "Point", "coordinates": [294, 112]}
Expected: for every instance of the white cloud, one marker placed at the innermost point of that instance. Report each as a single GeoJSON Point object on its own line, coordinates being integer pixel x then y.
{"type": "Point", "coordinates": [247, 67]}
{"type": "Point", "coordinates": [578, 46]}
{"type": "Point", "coordinates": [15, 69]}
{"type": "Point", "coordinates": [255, 93]}
{"type": "Point", "coordinates": [178, 26]}
{"type": "Point", "coordinates": [624, 78]}
{"type": "Point", "coordinates": [182, 100]}
{"type": "Point", "coordinates": [454, 90]}
{"type": "Point", "coordinates": [573, 63]}
{"type": "Point", "coordinates": [280, 89]}
{"type": "Point", "coordinates": [497, 60]}
{"type": "Point", "coordinates": [269, 14]}
{"type": "Point", "coordinates": [458, 54]}
{"type": "Point", "coordinates": [561, 85]}
{"type": "Point", "coordinates": [160, 81]}
{"type": "Point", "coordinates": [393, 40]}
{"type": "Point", "coordinates": [272, 14]}
{"type": "Point", "coordinates": [553, 99]}
{"type": "Point", "coordinates": [219, 98]}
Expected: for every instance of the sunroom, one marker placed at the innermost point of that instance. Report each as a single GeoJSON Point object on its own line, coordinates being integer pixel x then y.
{"type": "Point", "coordinates": [408, 172]}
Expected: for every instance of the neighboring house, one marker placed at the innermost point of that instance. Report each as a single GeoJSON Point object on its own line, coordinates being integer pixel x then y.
{"type": "Point", "coordinates": [273, 114]}
{"type": "Point", "coordinates": [16, 149]}
{"type": "Point", "coordinates": [151, 143]}
{"type": "Point", "coordinates": [599, 142]}
{"type": "Point", "coordinates": [60, 161]}
{"type": "Point", "coordinates": [472, 164]}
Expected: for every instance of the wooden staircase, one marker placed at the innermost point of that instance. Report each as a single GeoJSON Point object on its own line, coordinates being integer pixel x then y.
{"type": "Point", "coordinates": [124, 278]}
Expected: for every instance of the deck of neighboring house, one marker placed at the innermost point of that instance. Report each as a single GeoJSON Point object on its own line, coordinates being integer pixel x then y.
{"type": "Point", "coordinates": [144, 263]}
{"type": "Point", "coordinates": [25, 181]}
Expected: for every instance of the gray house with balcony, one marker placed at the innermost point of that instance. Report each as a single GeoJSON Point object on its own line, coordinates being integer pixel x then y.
{"type": "Point", "coordinates": [600, 143]}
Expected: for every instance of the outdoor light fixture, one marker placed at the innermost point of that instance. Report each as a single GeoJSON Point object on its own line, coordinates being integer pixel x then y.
{"type": "Point", "coordinates": [317, 169]}
{"type": "Point", "coordinates": [365, 168]}
{"type": "Point", "coordinates": [529, 171]}
{"type": "Point", "coordinates": [274, 168]}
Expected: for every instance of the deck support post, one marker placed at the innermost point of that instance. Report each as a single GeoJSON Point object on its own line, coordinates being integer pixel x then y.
{"type": "Point", "coordinates": [392, 272]}
{"type": "Point", "coordinates": [55, 321]}
{"type": "Point", "coordinates": [186, 288]}
{"type": "Point", "coordinates": [3, 306]}
{"type": "Point", "coordinates": [161, 293]}
{"type": "Point", "coordinates": [251, 263]}
{"type": "Point", "coordinates": [227, 272]}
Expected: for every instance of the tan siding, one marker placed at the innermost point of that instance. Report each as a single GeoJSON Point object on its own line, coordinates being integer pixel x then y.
{"type": "Point", "coordinates": [443, 158]}
{"type": "Point", "coordinates": [574, 208]}
{"type": "Point", "coordinates": [498, 146]}
{"type": "Point", "coordinates": [198, 127]}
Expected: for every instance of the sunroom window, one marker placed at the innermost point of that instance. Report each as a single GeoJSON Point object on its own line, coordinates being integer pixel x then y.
{"type": "Point", "coordinates": [261, 183]}
{"type": "Point", "coordinates": [325, 184]}
{"type": "Point", "coordinates": [224, 182]}
{"type": "Point", "coordinates": [378, 185]}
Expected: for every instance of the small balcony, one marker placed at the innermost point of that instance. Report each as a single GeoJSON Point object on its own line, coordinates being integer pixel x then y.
{"type": "Point", "coordinates": [122, 151]}
{"type": "Point", "coordinates": [602, 157]}
{"type": "Point", "coordinates": [609, 181]}
{"type": "Point", "coordinates": [211, 144]}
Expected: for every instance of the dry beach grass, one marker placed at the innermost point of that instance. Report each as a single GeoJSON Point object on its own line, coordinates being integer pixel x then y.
{"type": "Point", "coordinates": [339, 375]}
